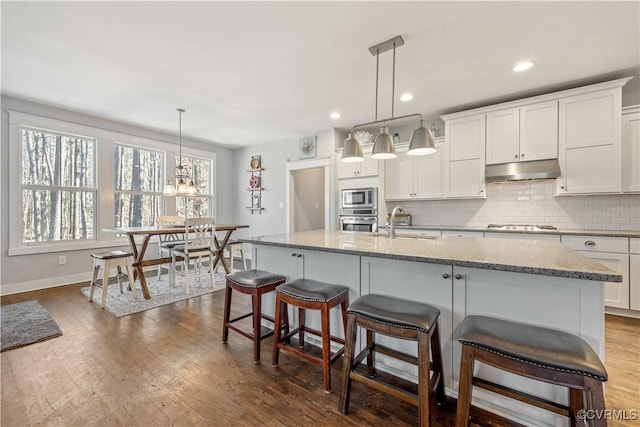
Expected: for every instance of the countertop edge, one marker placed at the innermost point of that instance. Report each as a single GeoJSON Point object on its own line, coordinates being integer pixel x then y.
{"type": "Point", "coordinates": [455, 262]}
{"type": "Point", "coordinates": [602, 233]}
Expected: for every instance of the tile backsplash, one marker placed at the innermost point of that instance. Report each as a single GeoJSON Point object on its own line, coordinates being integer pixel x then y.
{"type": "Point", "coordinates": [530, 202]}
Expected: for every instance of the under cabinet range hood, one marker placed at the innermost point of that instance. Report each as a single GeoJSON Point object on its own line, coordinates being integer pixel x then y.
{"type": "Point", "coordinates": [517, 171]}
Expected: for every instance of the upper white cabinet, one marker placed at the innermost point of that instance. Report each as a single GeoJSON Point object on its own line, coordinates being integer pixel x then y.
{"type": "Point", "coordinates": [414, 177]}
{"type": "Point", "coordinates": [631, 149]}
{"type": "Point", "coordinates": [368, 167]}
{"type": "Point", "coordinates": [589, 142]}
{"type": "Point", "coordinates": [523, 133]}
{"type": "Point", "coordinates": [464, 151]}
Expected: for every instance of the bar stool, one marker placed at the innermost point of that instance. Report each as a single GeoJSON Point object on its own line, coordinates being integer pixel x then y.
{"type": "Point", "coordinates": [109, 260]}
{"type": "Point", "coordinates": [254, 283]}
{"type": "Point", "coordinates": [548, 355]}
{"type": "Point", "coordinates": [398, 318]}
{"type": "Point", "coordinates": [309, 294]}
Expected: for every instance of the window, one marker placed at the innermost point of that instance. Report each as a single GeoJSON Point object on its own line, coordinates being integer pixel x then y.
{"type": "Point", "coordinates": [200, 170]}
{"type": "Point", "coordinates": [58, 186]}
{"type": "Point", "coordinates": [137, 181]}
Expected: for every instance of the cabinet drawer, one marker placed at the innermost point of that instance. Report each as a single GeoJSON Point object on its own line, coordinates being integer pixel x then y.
{"type": "Point", "coordinates": [449, 233]}
{"type": "Point", "coordinates": [597, 244]}
{"type": "Point", "coordinates": [634, 245]}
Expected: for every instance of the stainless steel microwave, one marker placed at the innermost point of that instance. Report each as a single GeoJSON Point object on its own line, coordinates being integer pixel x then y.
{"type": "Point", "coordinates": [359, 198]}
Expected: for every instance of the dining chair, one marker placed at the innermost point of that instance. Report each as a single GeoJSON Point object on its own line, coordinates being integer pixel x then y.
{"type": "Point", "coordinates": [168, 241]}
{"type": "Point", "coordinates": [199, 238]}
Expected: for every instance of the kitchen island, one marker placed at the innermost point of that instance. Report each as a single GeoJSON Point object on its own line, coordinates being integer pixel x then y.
{"type": "Point", "coordinates": [538, 282]}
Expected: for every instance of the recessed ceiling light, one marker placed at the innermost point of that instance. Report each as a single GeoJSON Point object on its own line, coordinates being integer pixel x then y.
{"type": "Point", "coordinates": [523, 66]}
{"type": "Point", "coordinates": [406, 97]}
{"type": "Point", "coordinates": [335, 115]}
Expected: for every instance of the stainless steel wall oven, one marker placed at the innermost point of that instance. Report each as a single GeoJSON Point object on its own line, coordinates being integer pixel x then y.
{"type": "Point", "coordinates": [359, 209]}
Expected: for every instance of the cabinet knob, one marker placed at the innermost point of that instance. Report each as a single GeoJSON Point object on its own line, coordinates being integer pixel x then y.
{"type": "Point", "coordinates": [516, 156]}
{"type": "Point", "coordinates": [522, 155]}
{"type": "Point", "coordinates": [299, 255]}
{"type": "Point", "coordinates": [459, 276]}
{"type": "Point", "coordinates": [445, 276]}
{"type": "Point", "coordinates": [589, 243]}
{"type": "Point", "coordinates": [562, 188]}
{"type": "Point", "coordinates": [481, 191]}
{"type": "Point", "coordinates": [294, 254]}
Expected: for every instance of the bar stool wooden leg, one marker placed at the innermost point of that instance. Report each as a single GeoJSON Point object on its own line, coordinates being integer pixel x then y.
{"type": "Point", "coordinates": [92, 287]}
{"type": "Point", "coordinates": [326, 348]}
{"type": "Point", "coordinates": [436, 357]}
{"type": "Point", "coordinates": [371, 359]}
{"type": "Point", "coordinates": [281, 310]}
{"type": "Point", "coordinates": [349, 353]}
{"type": "Point", "coordinates": [464, 386]}
{"type": "Point", "coordinates": [227, 313]}
{"type": "Point", "coordinates": [301, 319]}
{"type": "Point", "coordinates": [423, 379]}
{"type": "Point", "coordinates": [257, 319]}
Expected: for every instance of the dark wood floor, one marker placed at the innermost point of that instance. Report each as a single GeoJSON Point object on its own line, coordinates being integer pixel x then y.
{"type": "Point", "coordinates": [167, 366]}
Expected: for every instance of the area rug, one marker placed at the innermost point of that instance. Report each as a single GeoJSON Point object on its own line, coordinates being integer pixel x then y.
{"type": "Point", "coordinates": [25, 323]}
{"type": "Point", "coordinates": [161, 293]}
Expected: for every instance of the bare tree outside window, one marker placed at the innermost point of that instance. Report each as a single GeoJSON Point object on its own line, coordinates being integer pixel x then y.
{"type": "Point", "coordinates": [138, 186]}
{"type": "Point", "coordinates": [201, 205]}
{"type": "Point", "coordinates": [58, 186]}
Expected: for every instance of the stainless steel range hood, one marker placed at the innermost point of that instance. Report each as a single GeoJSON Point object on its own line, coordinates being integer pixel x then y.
{"type": "Point", "coordinates": [537, 169]}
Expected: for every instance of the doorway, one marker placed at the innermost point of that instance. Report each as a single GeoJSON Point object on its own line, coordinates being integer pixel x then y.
{"type": "Point", "coordinates": [308, 195]}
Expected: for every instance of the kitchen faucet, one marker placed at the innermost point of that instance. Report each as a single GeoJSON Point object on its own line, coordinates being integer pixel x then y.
{"type": "Point", "coordinates": [392, 225]}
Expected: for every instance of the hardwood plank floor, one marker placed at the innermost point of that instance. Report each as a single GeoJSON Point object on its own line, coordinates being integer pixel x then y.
{"type": "Point", "coordinates": [168, 366]}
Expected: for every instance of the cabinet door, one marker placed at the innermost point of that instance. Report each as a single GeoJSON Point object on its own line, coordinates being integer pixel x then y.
{"type": "Point", "coordinates": [416, 281]}
{"type": "Point", "coordinates": [590, 143]}
{"type": "Point", "coordinates": [631, 150]}
{"type": "Point", "coordinates": [465, 159]}
{"type": "Point", "coordinates": [539, 131]}
{"type": "Point", "coordinates": [522, 236]}
{"type": "Point", "coordinates": [368, 167]}
{"type": "Point", "coordinates": [347, 169]}
{"type": "Point", "coordinates": [428, 175]}
{"type": "Point", "coordinates": [399, 177]}
{"type": "Point", "coordinates": [634, 282]}
{"type": "Point", "coordinates": [503, 136]}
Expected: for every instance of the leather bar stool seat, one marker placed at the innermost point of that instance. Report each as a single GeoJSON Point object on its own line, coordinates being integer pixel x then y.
{"type": "Point", "coordinates": [544, 354]}
{"type": "Point", "coordinates": [255, 283]}
{"type": "Point", "coordinates": [309, 294]}
{"type": "Point", "coordinates": [398, 318]}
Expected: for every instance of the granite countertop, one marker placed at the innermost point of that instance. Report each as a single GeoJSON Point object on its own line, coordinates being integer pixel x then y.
{"type": "Point", "coordinates": [603, 233]}
{"type": "Point", "coordinates": [521, 256]}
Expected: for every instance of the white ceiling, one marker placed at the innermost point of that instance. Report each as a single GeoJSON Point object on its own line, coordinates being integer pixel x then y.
{"type": "Point", "coordinates": [255, 72]}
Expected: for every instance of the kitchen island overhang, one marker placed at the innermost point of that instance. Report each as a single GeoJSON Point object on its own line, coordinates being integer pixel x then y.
{"type": "Point", "coordinates": [538, 282]}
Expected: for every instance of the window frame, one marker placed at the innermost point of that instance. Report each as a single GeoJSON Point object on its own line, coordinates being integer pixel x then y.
{"type": "Point", "coordinates": [104, 199]}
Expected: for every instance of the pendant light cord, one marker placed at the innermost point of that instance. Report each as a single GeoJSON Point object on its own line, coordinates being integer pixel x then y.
{"type": "Point", "coordinates": [377, 68]}
{"type": "Point", "coordinates": [393, 83]}
{"type": "Point", "coordinates": [180, 111]}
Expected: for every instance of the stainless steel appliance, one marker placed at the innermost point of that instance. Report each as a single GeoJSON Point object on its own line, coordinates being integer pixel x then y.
{"type": "Point", "coordinates": [402, 219]}
{"type": "Point", "coordinates": [359, 209]}
{"type": "Point", "coordinates": [520, 227]}
{"type": "Point", "coordinates": [359, 198]}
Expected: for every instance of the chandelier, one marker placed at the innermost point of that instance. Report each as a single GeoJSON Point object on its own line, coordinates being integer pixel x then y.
{"type": "Point", "coordinates": [184, 184]}
{"type": "Point", "coordinates": [383, 147]}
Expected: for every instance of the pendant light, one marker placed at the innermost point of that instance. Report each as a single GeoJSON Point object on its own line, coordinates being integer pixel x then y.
{"type": "Point", "coordinates": [383, 146]}
{"type": "Point", "coordinates": [184, 184]}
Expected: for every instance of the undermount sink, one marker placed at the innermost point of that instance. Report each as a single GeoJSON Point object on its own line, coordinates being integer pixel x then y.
{"type": "Point", "coordinates": [405, 236]}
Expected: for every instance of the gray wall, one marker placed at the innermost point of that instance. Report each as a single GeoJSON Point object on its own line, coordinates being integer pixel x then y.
{"type": "Point", "coordinates": [28, 272]}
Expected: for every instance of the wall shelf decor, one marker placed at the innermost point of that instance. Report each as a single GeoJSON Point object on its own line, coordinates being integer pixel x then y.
{"type": "Point", "coordinates": [255, 184]}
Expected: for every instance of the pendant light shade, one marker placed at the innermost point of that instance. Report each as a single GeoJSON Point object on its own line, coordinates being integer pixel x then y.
{"type": "Point", "coordinates": [421, 141]}
{"type": "Point", "coordinates": [352, 151]}
{"type": "Point", "coordinates": [181, 175]}
{"type": "Point", "coordinates": [383, 148]}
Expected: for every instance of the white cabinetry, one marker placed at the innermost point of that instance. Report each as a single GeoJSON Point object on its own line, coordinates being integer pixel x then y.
{"type": "Point", "coordinates": [465, 157]}
{"type": "Point", "coordinates": [367, 167]}
{"type": "Point", "coordinates": [631, 149]}
{"type": "Point", "coordinates": [454, 233]}
{"type": "Point", "coordinates": [298, 263]}
{"type": "Point", "coordinates": [589, 142]}
{"type": "Point", "coordinates": [523, 133]}
{"type": "Point", "coordinates": [612, 252]}
{"type": "Point", "coordinates": [414, 177]}
{"type": "Point", "coordinates": [634, 274]}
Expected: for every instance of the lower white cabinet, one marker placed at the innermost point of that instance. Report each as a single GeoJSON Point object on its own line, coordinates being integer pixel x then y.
{"type": "Point", "coordinates": [454, 233]}
{"type": "Point", "coordinates": [612, 252]}
{"type": "Point", "coordinates": [634, 274]}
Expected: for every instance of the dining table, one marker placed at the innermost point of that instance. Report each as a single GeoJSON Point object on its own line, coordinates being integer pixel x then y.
{"type": "Point", "coordinates": [139, 238]}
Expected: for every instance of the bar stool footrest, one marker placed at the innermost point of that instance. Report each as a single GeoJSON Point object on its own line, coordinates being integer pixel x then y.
{"type": "Point", "coordinates": [385, 387]}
